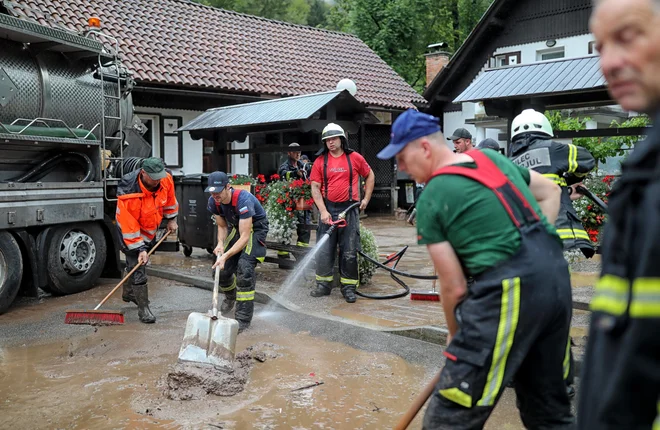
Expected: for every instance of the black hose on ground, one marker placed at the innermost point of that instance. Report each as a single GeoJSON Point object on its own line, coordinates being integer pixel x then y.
{"type": "Point", "coordinates": [406, 290]}
{"type": "Point", "coordinates": [48, 164]}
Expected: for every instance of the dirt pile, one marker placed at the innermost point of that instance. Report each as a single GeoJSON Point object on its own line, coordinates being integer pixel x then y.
{"type": "Point", "coordinates": [193, 381]}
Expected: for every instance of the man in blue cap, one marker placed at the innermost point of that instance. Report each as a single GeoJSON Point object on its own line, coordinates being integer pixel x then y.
{"type": "Point", "coordinates": [482, 216]}
{"type": "Point", "coordinates": [242, 230]}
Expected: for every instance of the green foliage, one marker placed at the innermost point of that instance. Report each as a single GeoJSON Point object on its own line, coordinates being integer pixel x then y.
{"type": "Point", "coordinates": [600, 148]}
{"type": "Point", "coordinates": [370, 248]}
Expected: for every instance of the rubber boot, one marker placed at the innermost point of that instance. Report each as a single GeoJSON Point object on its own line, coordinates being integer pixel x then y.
{"type": "Point", "coordinates": [229, 302]}
{"type": "Point", "coordinates": [127, 294]}
{"type": "Point", "coordinates": [244, 312]}
{"type": "Point", "coordinates": [349, 293]}
{"type": "Point", "coordinates": [321, 290]}
{"type": "Point", "coordinates": [142, 295]}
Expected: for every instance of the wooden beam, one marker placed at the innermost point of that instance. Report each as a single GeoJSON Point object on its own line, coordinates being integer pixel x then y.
{"type": "Point", "coordinates": [318, 125]}
{"type": "Point", "coordinates": [272, 149]}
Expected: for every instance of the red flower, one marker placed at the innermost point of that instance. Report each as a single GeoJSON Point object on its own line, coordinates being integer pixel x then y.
{"type": "Point", "coordinates": [274, 177]}
{"type": "Point", "coordinates": [261, 178]}
{"type": "Point", "coordinates": [235, 176]}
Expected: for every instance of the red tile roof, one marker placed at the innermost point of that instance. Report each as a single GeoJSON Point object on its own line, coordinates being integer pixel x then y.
{"type": "Point", "coordinates": [178, 42]}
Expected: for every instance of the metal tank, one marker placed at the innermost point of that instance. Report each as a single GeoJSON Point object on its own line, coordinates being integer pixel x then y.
{"type": "Point", "coordinates": [46, 84]}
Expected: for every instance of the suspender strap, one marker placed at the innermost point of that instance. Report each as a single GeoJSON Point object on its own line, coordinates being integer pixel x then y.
{"type": "Point", "coordinates": [350, 176]}
{"type": "Point", "coordinates": [234, 199]}
{"type": "Point", "coordinates": [490, 176]}
{"type": "Point", "coordinates": [325, 175]}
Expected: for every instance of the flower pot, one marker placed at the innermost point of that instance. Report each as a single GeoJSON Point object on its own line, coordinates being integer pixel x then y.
{"type": "Point", "coordinates": [301, 205]}
{"type": "Point", "coordinates": [246, 187]}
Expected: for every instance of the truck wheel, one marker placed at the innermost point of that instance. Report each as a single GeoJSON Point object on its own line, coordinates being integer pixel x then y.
{"type": "Point", "coordinates": [187, 250]}
{"type": "Point", "coordinates": [11, 270]}
{"type": "Point", "coordinates": [76, 257]}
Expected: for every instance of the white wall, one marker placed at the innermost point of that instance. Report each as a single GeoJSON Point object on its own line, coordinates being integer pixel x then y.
{"type": "Point", "coordinates": [240, 165]}
{"type": "Point", "coordinates": [574, 47]}
{"type": "Point", "coordinates": [192, 149]}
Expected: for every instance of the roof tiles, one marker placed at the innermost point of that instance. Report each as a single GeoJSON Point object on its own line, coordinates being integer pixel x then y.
{"type": "Point", "coordinates": [204, 47]}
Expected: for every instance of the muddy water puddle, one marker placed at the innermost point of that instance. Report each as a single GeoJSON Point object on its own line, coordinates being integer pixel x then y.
{"type": "Point", "coordinates": [114, 379]}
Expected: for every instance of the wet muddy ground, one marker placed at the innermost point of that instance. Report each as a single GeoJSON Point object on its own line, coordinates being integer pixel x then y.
{"type": "Point", "coordinates": [54, 375]}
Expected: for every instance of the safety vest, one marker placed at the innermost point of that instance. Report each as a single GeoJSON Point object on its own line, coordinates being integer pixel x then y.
{"type": "Point", "coordinates": [140, 211]}
{"type": "Point", "coordinates": [630, 283]}
{"type": "Point", "coordinates": [565, 164]}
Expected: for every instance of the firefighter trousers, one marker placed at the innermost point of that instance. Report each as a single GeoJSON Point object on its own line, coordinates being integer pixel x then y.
{"type": "Point", "coordinates": [513, 323]}
{"type": "Point", "coordinates": [348, 240]}
{"type": "Point", "coordinates": [238, 277]}
{"type": "Point", "coordinates": [620, 384]}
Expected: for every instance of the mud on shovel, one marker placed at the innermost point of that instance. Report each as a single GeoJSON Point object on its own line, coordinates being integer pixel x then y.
{"type": "Point", "coordinates": [210, 338]}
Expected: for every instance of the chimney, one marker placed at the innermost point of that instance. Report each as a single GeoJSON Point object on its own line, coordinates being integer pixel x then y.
{"type": "Point", "coordinates": [436, 60]}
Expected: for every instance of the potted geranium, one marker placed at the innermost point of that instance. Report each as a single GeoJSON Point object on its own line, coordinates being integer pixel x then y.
{"type": "Point", "coordinates": [301, 193]}
{"type": "Point", "coordinates": [242, 182]}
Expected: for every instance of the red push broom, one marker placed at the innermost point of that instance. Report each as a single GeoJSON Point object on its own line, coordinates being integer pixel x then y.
{"type": "Point", "coordinates": [105, 317]}
{"type": "Point", "coordinates": [431, 296]}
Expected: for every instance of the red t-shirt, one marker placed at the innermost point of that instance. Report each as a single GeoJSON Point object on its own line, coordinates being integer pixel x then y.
{"type": "Point", "coordinates": [338, 175]}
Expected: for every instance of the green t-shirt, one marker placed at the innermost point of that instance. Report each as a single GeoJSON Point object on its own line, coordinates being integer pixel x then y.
{"type": "Point", "coordinates": [470, 216]}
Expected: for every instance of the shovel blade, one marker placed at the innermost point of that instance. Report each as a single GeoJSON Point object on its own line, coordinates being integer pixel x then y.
{"type": "Point", "coordinates": [209, 341]}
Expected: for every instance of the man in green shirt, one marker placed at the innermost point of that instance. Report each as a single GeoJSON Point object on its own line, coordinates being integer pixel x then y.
{"type": "Point", "coordinates": [482, 216]}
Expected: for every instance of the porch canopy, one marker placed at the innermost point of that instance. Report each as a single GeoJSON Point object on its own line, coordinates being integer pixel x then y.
{"type": "Point", "coordinates": [549, 85]}
{"type": "Point", "coordinates": [310, 112]}
{"type": "Point", "coordinates": [574, 82]}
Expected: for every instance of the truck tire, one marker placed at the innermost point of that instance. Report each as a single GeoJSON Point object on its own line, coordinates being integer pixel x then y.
{"type": "Point", "coordinates": [76, 257]}
{"type": "Point", "coordinates": [11, 270]}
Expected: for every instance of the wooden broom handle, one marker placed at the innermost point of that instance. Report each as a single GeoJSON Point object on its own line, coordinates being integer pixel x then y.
{"type": "Point", "coordinates": [410, 414]}
{"type": "Point", "coordinates": [131, 272]}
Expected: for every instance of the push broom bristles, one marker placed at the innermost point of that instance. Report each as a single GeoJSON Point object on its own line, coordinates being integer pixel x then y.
{"type": "Point", "coordinates": [92, 317]}
{"type": "Point", "coordinates": [430, 296]}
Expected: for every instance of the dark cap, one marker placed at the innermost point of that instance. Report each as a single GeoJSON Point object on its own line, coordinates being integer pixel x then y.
{"type": "Point", "coordinates": [490, 144]}
{"type": "Point", "coordinates": [154, 167]}
{"type": "Point", "coordinates": [460, 133]}
{"type": "Point", "coordinates": [304, 157]}
{"type": "Point", "coordinates": [217, 182]}
{"type": "Point", "coordinates": [409, 126]}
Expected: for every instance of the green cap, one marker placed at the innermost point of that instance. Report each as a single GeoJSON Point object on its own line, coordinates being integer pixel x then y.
{"type": "Point", "coordinates": [154, 167]}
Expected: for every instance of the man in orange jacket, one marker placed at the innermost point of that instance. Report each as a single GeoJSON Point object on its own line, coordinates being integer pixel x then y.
{"type": "Point", "coordinates": [144, 198]}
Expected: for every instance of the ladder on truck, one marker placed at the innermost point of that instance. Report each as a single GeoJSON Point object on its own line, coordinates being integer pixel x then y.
{"type": "Point", "coordinates": [109, 70]}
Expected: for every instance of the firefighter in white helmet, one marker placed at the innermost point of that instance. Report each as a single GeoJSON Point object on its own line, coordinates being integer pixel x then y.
{"type": "Point", "coordinates": [566, 164]}
{"type": "Point", "coordinates": [335, 186]}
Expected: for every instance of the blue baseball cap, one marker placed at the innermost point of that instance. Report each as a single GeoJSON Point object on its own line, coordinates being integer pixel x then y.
{"type": "Point", "coordinates": [409, 126]}
{"type": "Point", "coordinates": [217, 182]}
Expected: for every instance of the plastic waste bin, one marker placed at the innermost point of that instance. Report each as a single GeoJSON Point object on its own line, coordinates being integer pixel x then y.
{"type": "Point", "coordinates": [196, 226]}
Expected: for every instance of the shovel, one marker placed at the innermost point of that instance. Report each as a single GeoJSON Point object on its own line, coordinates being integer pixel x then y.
{"type": "Point", "coordinates": [209, 338]}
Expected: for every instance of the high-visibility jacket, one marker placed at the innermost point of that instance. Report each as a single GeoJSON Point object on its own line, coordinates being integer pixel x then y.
{"type": "Point", "coordinates": [565, 164]}
{"type": "Point", "coordinates": [140, 211]}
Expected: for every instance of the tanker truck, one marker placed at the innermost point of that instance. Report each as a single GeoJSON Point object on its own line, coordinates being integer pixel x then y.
{"type": "Point", "coordinates": [67, 135]}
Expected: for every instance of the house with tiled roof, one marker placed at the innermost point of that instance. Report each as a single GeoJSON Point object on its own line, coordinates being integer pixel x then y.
{"type": "Point", "coordinates": [187, 58]}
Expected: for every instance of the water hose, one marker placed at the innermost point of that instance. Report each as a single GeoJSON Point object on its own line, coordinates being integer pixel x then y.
{"type": "Point", "coordinates": [591, 196]}
{"type": "Point", "coordinates": [396, 258]}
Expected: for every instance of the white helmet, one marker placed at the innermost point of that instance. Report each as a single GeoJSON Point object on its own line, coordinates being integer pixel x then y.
{"type": "Point", "coordinates": [332, 130]}
{"type": "Point", "coordinates": [530, 120]}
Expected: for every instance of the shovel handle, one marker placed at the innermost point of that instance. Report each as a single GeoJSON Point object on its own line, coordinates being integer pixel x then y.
{"type": "Point", "coordinates": [216, 282]}
{"type": "Point", "coordinates": [131, 272]}
{"type": "Point", "coordinates": [410, 414]}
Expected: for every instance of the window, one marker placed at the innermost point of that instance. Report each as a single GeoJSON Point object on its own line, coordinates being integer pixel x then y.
{"type": "Point", "coordinates": [592, 48]}
{"type": "Point", "coordinates": [505, 59]}
{"type": "Point", "coordinates": [550, 54]}
{"type": "Point", "coordinates": [171, 146]}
